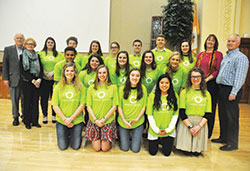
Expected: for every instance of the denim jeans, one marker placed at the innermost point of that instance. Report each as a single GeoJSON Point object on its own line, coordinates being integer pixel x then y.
{"type": "Point", "coordinates": [136, 138]}
{"type": "Point", "coordinates": [66, 136]}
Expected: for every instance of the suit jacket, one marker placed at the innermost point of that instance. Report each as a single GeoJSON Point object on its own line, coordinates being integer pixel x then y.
{"type": "Point", "coordinates": [11, 66]}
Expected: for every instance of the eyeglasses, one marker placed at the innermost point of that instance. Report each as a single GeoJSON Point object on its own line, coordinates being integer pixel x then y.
{"type": "Point", "coordinates": [196, 77]}
{"type": "Point", "coordinates": [70, 54]}
{"type": "Point", "coordinates": [114, 47]}
{"type": "Point", "coordinates": [31, 44]}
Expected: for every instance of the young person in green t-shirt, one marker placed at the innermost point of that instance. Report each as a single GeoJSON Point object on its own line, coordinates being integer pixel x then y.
{"type": "Point", "coordinates": [94, 48]}
{"type": "Point", "coordinates": [135, 59]}
{"type": "Point", "coordinates": [73, 42]}
{"type": "Point", "coordinates": [110, 61]}
{"type": "Point", "coordinates": [68, 102]}
{"type": "Point", "coordinates": [194, 110]}
{"type": "Point", "coordinates": [88, 74]}
{"type": "Point", "coordinates": [162, 111]}
{"type": "Point", "coordinates": [49, 58]}
{"type": "Point", "coordinates": [132, 104]}
{"type": "Point", "coordinates": [176, 72]}
{"type": "Point", "coordinates": [69, 54]}
{"type": "Point", "coordinates": [149, 70]}
{"type": "Point", "coordinates": [102, 101]}
{"type": "Point", "coordinates": [118, 75]}
{"type": "Point", "coordinates": [187, 58]}
{"type": "Point", "coordinates": [161, 53]}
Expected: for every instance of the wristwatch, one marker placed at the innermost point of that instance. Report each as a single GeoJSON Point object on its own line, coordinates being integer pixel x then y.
{"type": "Point", "coordinates": [190, 126]}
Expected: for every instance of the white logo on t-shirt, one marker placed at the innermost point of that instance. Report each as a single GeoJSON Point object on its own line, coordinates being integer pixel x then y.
{"type": "Point", "coordinates": [90, 82]}
{"type": "Point", "coordinates": [101, 94]}
{"type": "Point", "coordinates": [69, 95]}
{"type": "Point", "coordinates": [186, 63]}
{"type": "Point", "coordinates": [159, 58]}
{"type": "Point", "coordinates": [164, 106]}
{"type": "Point", "coordinates": [197, 99]}
{"type": "Point", "coordinates": [51, 58]}
{"type": "Point", "coordinates": [136, 63]}
{"type": "Point", "coordinates": [149, 80]}
{"type": "Point", "coordinates": [122, 80]}
{"type": "Point", "coordinates": [132, 99]}
{"type": "Point", "coordinates": [175, 81]}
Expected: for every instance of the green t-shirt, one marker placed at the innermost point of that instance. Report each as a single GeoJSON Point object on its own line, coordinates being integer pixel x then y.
{"type": "Point", "coordinates": [194, 102]}
{"type": "Point", "coordinates": [178, 79]}
{"type": "Point", "coordinates": [161, 57]}
{"type": "Point", "coordinates": [110, 62]}
{"type": "Point", "coordinates": [49, 61]}
{"type": "Point", "coordinates": [102, 100]}
{"type": "Point", "coordinates": [131, 107]}
{"type": "Point", "coordinates": [87, 79]}
{"type": "Point", "coordinates": [68, 100]}
{"type": "Point", "coordinates": [135, 61]}
{"type": "Point", "coordinates": [59, 68]}
{"type": "Point", "coordinates": [186, 65]}
{"type": "Point", "coordinates": [118, 81]}
{"type": "Point", "coordinates": [150, 79]}
{"type": "Point", "coordinates": [85, 60]}
{"type": "Point", "coordinates": [162, 116]}
{"type": "Point", "coordinates": [79, 58]}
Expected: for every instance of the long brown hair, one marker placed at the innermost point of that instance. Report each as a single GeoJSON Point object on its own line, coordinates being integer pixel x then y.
{"type": "Point", "coordinates": [77, 83]}
{"type": "Point", "coordinates": [203, 86]}
{"type": "Point", "coordinates": [108, 81]}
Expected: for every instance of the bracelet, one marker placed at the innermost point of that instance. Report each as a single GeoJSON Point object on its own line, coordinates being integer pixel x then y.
{"type": "Point", "coordinates": [33, 81]}
{"type": "Point", "coordinates": [95, 120]}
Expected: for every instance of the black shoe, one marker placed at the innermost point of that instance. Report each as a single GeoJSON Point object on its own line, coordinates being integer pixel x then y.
{"type": "Point", "coordinates": [15, 122]}
{"type": "Point", "coordinates": [27, 126]}
{"type": "Point", "coordinates": [37, 125]}
{"type": "Point", "coordinates": [228, 148]}
{"type": "Point", "coordinates": [218, 140]}
{"type": "Point", "coordinates": [196, 154]}
{"type": "Point", "coordinates": [45, 120]}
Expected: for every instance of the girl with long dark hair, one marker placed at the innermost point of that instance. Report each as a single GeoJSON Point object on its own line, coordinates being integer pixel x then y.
{"type": "Point", "coordinates": [162, 111]}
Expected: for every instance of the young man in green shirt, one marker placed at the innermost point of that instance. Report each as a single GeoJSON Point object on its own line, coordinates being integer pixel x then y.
{"type": "Point", "coordinates": [73, 42]}
{"type": "Point", "coordinates": [135, 59]}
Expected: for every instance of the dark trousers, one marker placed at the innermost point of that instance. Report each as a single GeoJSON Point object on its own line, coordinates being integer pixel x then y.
{"type": "Point", "coordinates": [212, 87]}
{"type": "Point", "coordinates": [30, 97]}
{"type": "Point", "coordinates": [167, 144]}
{"type": "Point", "coordinates": [46, 91]}
{"type": "Point", "coordinates": [229, 116]}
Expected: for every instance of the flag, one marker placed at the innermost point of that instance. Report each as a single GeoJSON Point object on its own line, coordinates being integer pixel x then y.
{"type": "Point", "coordinates": [196, 32]}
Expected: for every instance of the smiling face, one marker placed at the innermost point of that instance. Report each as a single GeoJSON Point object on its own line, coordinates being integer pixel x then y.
{"type": "Point", "coordinates": [210, 42]}
{"type": "Point", "coordinates": [30, 45]}
{"type": "Point", "coordinates": [196, 78]}
{"type": "Point", "coordinates": [103, 74]}
{"type": "Point", "coordinates": [69, 55]}
{"type": "Point", "coordinates": [160, 42]}
{"type": "Point", "coordinates": [164, 85]}
{"type": "Point", "coordinates": [148, 58]}
{"type": "Point", "coordinates": [185, 48]}
{"type": "Point", "coordinates": [232, 42]}
{"type": "Point", "coordinates": [174, 61]}
{"type": "Point", "coordinates": [94, 48]}
{"type": "Point", "coordinates": [72, 43]}
{"type": "Point", "coordinates": [94, 63]}
{"type": "Point", "coordinates": [122, 59]}
{"type": "Point", "coordinates": [19, 40]}
{"type": "Point", "coordinates": [50, 44]}
{"type": "Point", "coordinates": [137, 47]}
{"type": "Point", "coordinates": [134, 78]}
{"type": "Point", "coordinates": [69, 74]}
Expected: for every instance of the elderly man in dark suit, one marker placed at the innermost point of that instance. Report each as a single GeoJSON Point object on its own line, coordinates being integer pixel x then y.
{"type": "Point", "coordinates": [11, 73]}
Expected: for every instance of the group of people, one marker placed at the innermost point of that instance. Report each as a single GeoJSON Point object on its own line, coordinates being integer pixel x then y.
{"type": "Point", "coordinates": [170, 95]}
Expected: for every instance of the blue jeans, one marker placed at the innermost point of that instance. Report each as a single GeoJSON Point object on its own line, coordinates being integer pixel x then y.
{"type": "Point", "coordinates": [66, 136]}
{"type": "Point", "coordinates": [136, 138]}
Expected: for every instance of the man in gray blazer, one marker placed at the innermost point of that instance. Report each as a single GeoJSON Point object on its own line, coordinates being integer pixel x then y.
{"type": "Point", "coordinates": [11, 73]}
